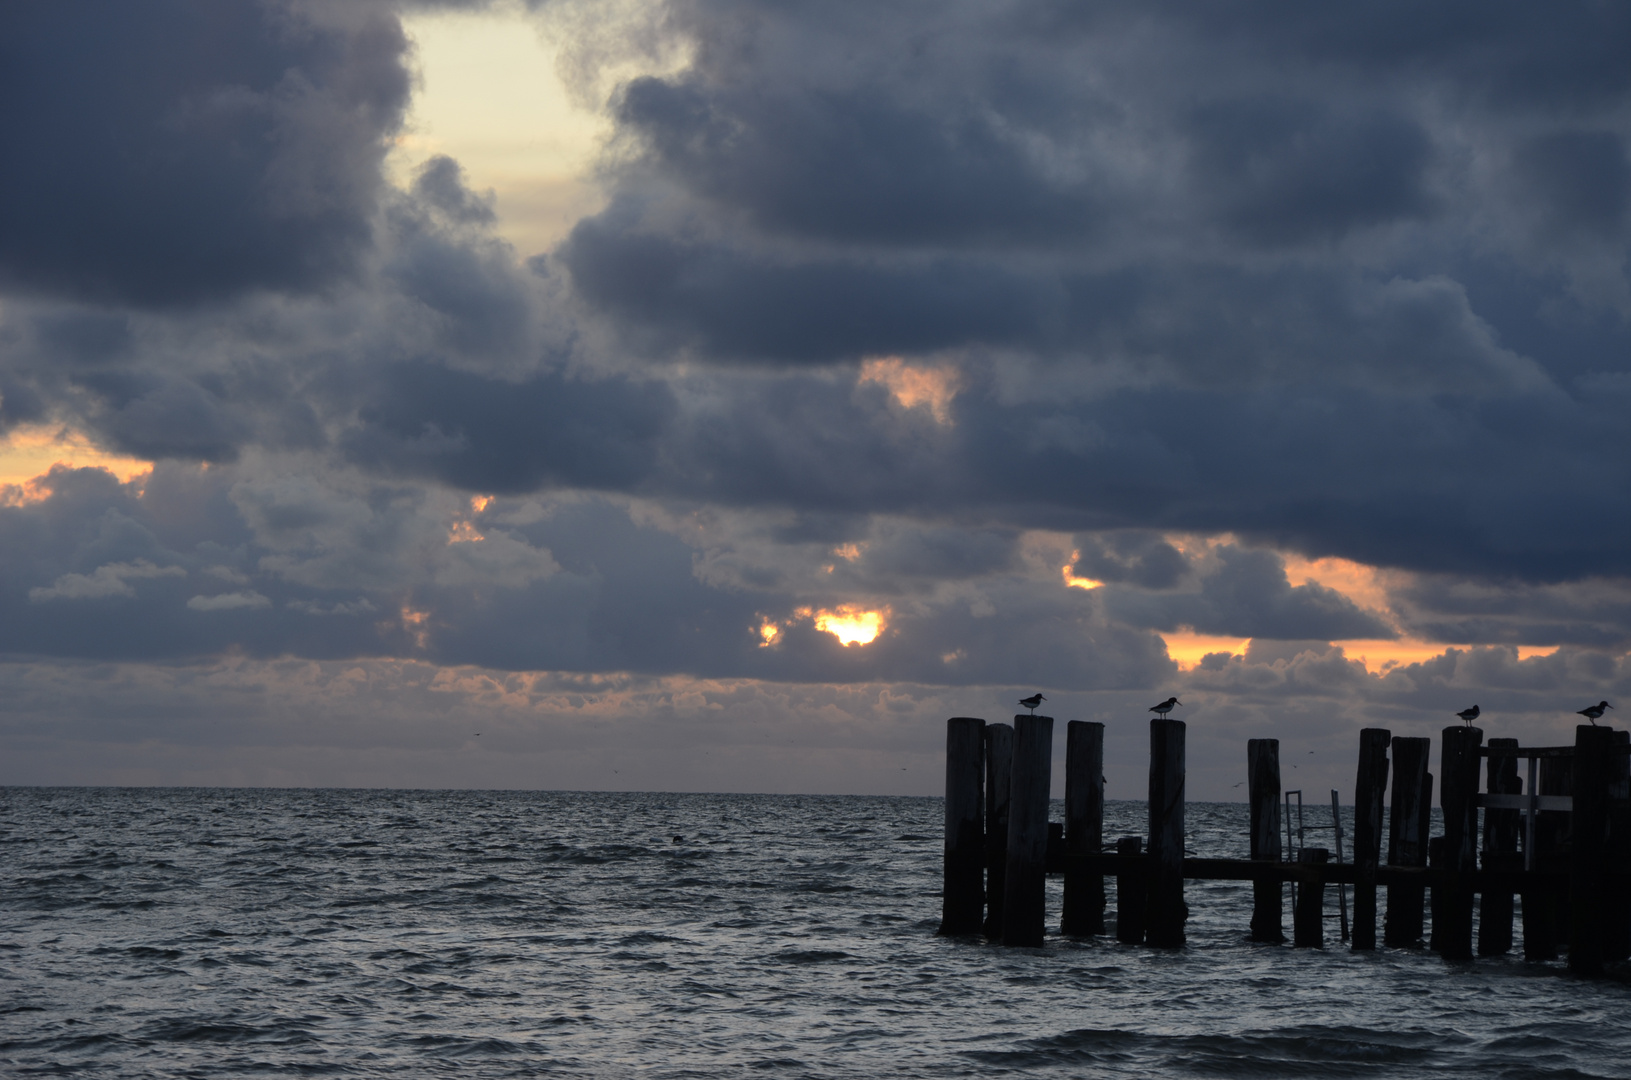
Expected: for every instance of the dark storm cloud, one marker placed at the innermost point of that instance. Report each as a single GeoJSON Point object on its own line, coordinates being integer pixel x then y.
{"type": "Point", "coordinates": [1594, 612]}
{"type": "Point", "coordinates": [265, 562]}
{"type": "Point", "coordinates": [1344, 282]}
{"type": "Point", "coordinates": [731, 304]}
{"type": "Point", "coordinates": [1245, 593]}
{"type": "Point", "coordinates": [1288, 317]}
{"type": "Point", "coordinates": [95, 571]}
{"type": "Point", "coordinates": [175, 152]}
{"type": "Point", "coordinates": [1140, 558]}
{"type": "Point", "coordinates": [1581, 178]}
{"type": "Point", "coordinates": [1569, 55]}
{"type": "Point", "coordinates": [1282, 171]}
{"type": "Point", "coordinates": [490, 435]}
{"type": "Point", "coordinates": [938, 171]}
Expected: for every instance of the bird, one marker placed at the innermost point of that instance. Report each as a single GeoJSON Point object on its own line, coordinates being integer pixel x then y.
{"type": "Point", "coordinates": [1165, 707]}
{"type": "Point", "coordinates": [1594, 712]}
{"type": "Point", "coordinates": [1240, 784]}
{"type": "Point", "coordinates": [1469, 715]}
{"type": "Point", "coordinates": [1032, 702]}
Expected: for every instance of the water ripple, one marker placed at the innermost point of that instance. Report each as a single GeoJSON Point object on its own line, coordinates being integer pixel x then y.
{"type": "Point", "coordinates": [390, 933]}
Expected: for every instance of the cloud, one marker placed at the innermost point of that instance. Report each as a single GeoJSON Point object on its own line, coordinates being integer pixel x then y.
{"type": "Point", "coordinates": [105, 581]}
{"type": "Point", "coordinates": [172, 158]}
{"type": "Point", "coordinates": [228, 601]}
{"type": "Point", "coordinates": [884, 309]}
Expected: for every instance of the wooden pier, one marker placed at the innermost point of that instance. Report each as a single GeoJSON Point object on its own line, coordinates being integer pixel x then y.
{"type": "Point", "coordinates": [1558, 837]}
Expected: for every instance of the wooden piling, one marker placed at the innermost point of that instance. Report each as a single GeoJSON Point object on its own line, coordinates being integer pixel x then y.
{"type": "Point", "coordinates": [1164, 906]}
{"type": "Point", "coordinates": [1617, 930]}
{"type": "Point", "coordinates": [1084, 826]}
{"type": "Point", "coordinates": [1370, 792]}
{"type": "Point", "coordinates": [1024, 903]}
{"type": "Point", "coordinates": [999, 767]}
{"type": "Point", "coordinates": [1407, 839]}
{"type": "Point", "coordinates": [1458, 796]}
{"type": "Point", "coordinates": [963, 895]}
{"type": "Point", "coordinates": [1588, 863]}
{"type": "Point", "coordinates": [1500, 852]}
{"type": "Point", "coordinates": [1130, 893]}
{"type": "Point", "coordinates": [1545, 911]}
{"type": "Point", "coordinates": [1263, 786]}
{"type": "Point", "coordinates": [1308, 918]}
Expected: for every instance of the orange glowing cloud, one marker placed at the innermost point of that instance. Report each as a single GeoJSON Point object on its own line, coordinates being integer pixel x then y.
{"type": "Point", "coordinates": [463, 532]}
{"type": "Point", "coordinates": [29, 451]}
{"type": "Point", "coordinates": [416, 623]}
{"type": "Point", "coordinates": [1187, 648]}
{"type": "Point", "coordinates": [852, 625]}
{"type": "Point", "coordinates": [1364, 585]}
{"type": "Point", "coordinates": [849, 623]}
{"type": "Point", "coordinates": [911, 385]}
{"type": "Point", "coordinates": [1074, 582]}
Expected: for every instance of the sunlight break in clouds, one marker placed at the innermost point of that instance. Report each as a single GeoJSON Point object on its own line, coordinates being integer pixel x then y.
{"type": "Point", "coordinates": [29, 451]}
{"type": "Point", "coordinates": [849, 623]}
{"type": "Point", "coordinates": [912, 385]}
{"type": "Point", "coordinates": [1074, 582]}
{"type": "Point", "coordinates": [1188, 649]}
{"type": "Point", "coordinates": [490, 97]}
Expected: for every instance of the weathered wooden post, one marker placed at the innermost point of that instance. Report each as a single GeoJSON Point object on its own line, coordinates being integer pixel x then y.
{"type": "Point", "coordinates": [1308, 920]}
{"type": "Point", "coordinates": [1546, 919]}
{"type": "Point", "coordinates": [1617, 933]}
{"type": "Point", "coordinates": [1084, 826]}
{"type": "Point", "coordinates": [1500, 851]}
{"type": "Point", "coordinates": [1130, 893]}
{"type": "Point", "coordinates": [1024, 897]}
{"type": "Point", "coordinates": [1407, 839]}
{"type": "Point", "coordinates": [963, 896]}
{"type": "Point", "coordinates": [1588, 865]}
{"type": "Point", "coordinates": [1458, 796]}
{"type": "Point", "coordinates": [1263, 785]}
{"type": "Point", "coordinates": [1165, 912]}
{"type": "Point", "coordinates": [1370, 792]}
{"type": "Point", "coordinates": [999, 768]}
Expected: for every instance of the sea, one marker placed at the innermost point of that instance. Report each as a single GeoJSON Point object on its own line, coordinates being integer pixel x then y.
{"type": "Point", "coordinates": [237, 933]}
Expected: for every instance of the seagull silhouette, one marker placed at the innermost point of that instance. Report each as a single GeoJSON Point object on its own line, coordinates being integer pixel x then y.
{"type": "Point", "coordinates": [1165, 707]}
{"type": "Point", "coordinates": [1594, 713]}
{"type": "Point", "coordinates": [1032, 702]}
{"type": "Point", "coordinates": [1469, 715]}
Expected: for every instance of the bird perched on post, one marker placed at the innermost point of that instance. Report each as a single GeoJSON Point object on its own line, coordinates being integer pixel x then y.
{"type": "Point", "coordinates": [1032, 702]}
{"type": "Point", "coordinates": [1469, 715]}
{"type": "Point", "coordinates": [1165, 707]}
{"type": "Point", "coordinates": [1594, 713]}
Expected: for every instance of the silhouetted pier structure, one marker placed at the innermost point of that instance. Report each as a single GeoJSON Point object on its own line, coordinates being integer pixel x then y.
{"type": "Point", "coordinates": [1560, 841]}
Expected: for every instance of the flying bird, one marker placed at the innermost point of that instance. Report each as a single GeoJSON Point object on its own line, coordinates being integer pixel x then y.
{"type": "Point", "coordinates": [1032, 702]}
{"type": "Point", "coordinates": [1594, 713]}
{"type": "Point", "coordinates": [1469, 715]}
{"type": "Point", "coordinates": [1165, 707]}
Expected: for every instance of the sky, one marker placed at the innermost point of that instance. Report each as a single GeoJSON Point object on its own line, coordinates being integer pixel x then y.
{"type": "Point", "coordinates": [718, 395]}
